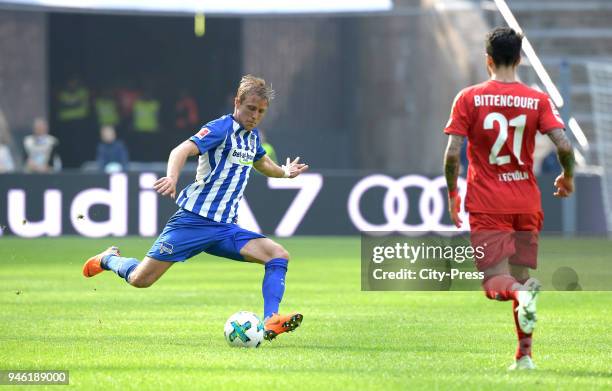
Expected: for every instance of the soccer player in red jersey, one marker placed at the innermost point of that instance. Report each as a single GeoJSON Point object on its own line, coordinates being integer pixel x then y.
{"type": "Point", "coordinates": [500, 118]}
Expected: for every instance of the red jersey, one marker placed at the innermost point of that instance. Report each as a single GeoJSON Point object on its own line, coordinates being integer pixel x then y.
{"type": "Point", "coordinates": [500, 121]}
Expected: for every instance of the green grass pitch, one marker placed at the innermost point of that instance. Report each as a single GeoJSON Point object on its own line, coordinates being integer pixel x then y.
{"type": "Point", "coordinates": [170, 336]}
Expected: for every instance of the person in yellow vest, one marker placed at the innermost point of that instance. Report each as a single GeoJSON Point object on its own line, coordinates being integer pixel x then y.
{"type": "Point", "coordinates": [106, 108]}
{"type": "Point", "coordinates": [145, 114]}
{"type": "Point", "coordinates": [73, 101]}
{"type": "Point", "coordinates": [267, 146]}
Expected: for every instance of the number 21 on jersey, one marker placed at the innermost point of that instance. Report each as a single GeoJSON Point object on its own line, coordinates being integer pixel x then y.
{"type": "Point", "coordinates": [519, 127]}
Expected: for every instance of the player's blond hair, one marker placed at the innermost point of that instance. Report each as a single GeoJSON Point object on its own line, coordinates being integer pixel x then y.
{"type": "Point", "coordinates": [253, 85]}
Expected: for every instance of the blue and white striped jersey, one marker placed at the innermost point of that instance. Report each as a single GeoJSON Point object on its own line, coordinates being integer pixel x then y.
{"type": "Point", "coordinates": [227, 153]}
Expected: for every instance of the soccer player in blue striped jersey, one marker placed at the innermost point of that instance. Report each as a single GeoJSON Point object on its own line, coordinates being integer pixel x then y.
{"type": "Point", "coordinates": [228, 148]}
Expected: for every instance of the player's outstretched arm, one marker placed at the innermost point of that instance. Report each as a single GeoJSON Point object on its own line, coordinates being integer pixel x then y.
{"type": "Point", "coordinates": [451, 172]}
{"type": "Point", "coordinates": [291, 169]}
{"type": "Point", "coordinates": [166, 186]}
{"type": "Point", "coordinates": [565, 152]}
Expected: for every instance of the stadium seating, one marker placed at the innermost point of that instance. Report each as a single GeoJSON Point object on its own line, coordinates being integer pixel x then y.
{"type": "Point", "coordinates": [574, 31]}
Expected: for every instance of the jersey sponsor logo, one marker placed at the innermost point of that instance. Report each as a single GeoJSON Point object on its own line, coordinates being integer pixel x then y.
{"type": "Point", "coordinates": [202, 133]}
{"type": "Point", "coordinates": [242, 157]}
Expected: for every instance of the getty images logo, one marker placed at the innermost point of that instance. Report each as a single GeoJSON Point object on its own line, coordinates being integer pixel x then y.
{"type": "Point", "coordinates": [115, 197]}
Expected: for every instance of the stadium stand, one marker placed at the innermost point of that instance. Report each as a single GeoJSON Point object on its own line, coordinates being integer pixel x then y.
{"type": "Point", "coordinates": [577, 32]}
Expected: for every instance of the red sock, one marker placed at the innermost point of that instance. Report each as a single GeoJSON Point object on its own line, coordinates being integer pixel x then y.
{"type": "Point", "coordinates": [499, 287]}
{"type": "Point", "coordinates": [524, 340]}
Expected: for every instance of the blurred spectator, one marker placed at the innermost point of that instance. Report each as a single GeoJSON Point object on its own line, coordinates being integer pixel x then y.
{"type": "Point", "coordinates": [112, 154]}
{"type": "Point", "coordinates": [267, 146]}
{"type": "Point", "coordinates": [542, 162]}
{"type": "Point", "coordinates": [74, 119]}
{"type": "Point", "coordinates": [186, 112]}
{"type": "Point", "coordinates": [73, 101]}
{"type": "Point", "coordinates": [41, 149]}
{"type": "Point", "coordinates": [7, 164]}
{"type": "Point", "coordinates": [107, 111]}
{"type": "Point", "coordinates": [463, 158]}
{"type": "Point", "coordinates": [127, 96]}
{"type": "Point", "coordinates": [550, 164]}
{"type": "Point", "coordinates": [146, 113]}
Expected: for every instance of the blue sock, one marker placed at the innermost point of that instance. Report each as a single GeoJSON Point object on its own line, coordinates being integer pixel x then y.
{"type": "Point", "coordinates": [120, 265]}
{"type": "Point", "coordinates": [273, 286]}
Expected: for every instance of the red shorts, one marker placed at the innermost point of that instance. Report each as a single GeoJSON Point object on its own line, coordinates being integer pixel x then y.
{"type": "Point", "coordinates": [512, 236]}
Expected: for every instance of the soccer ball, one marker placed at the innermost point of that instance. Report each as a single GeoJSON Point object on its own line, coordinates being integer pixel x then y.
{"type": "Point", "coordinates": [244, 329]}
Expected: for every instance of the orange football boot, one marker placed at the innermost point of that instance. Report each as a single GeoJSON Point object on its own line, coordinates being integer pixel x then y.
{"type": "Point", "coordinates": [93, 267]}
{"type": "Point", "coordinates": [278, 324]}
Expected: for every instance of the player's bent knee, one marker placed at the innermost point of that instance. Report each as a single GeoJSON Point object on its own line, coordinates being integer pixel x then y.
{"type": "Point", "coordinates": [140, 282]}
{"type": "Point", "coordinates": [280, 252]}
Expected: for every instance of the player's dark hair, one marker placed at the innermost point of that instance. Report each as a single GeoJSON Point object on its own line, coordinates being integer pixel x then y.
{"type": "Point", "coordinates": [504, 46]}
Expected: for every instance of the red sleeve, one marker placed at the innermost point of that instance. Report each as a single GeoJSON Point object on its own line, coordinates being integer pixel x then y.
{"type": "Point", "coordinates": [459, 121]}
{"type": "Point", "coordinates": [549, 118]}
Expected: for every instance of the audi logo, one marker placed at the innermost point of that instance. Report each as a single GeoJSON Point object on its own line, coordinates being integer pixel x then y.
{"type": "Point", "coordinates": [396, 204]}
